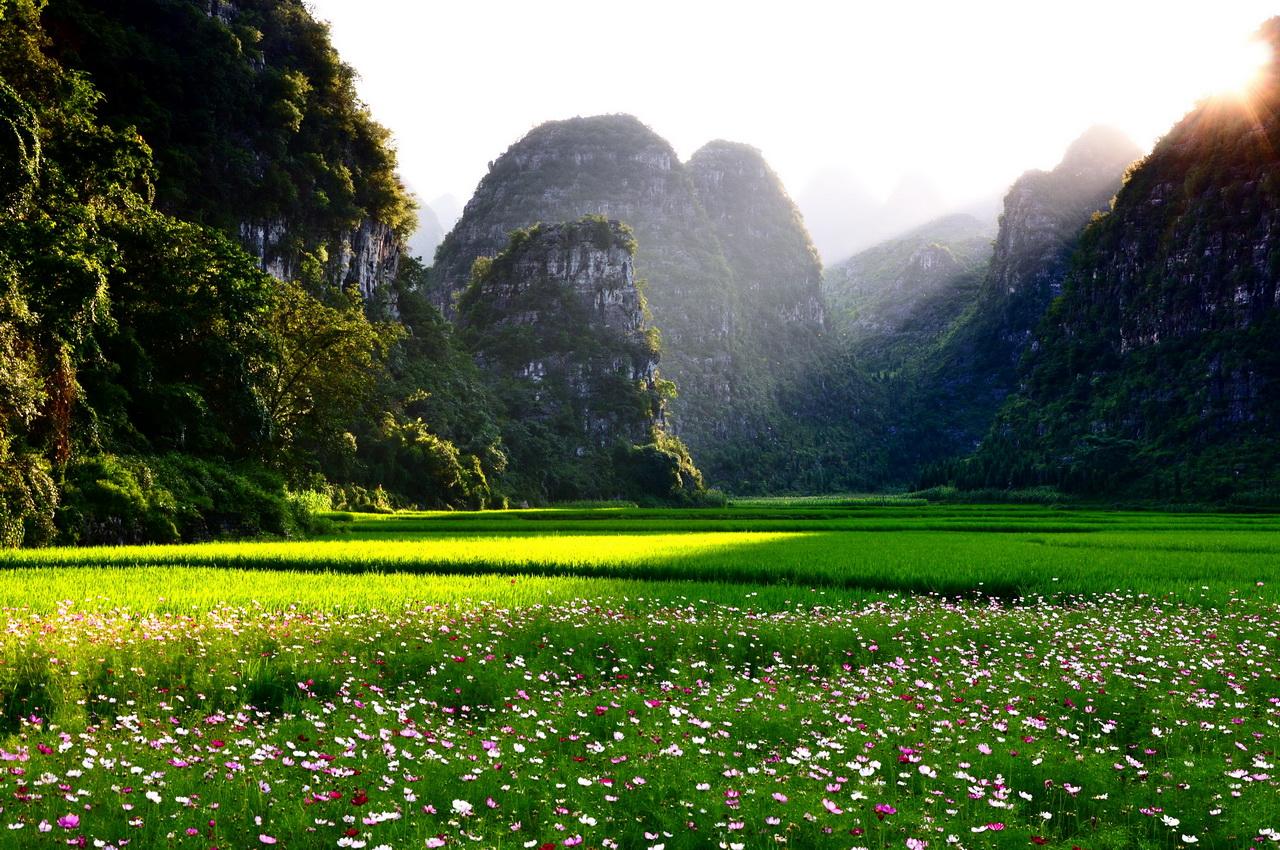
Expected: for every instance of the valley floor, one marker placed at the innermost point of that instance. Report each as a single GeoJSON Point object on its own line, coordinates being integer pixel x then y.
{"type": "Point", "coordinates": [817, 673]}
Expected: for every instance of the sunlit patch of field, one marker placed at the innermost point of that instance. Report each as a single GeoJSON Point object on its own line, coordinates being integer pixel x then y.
{"type": "Point", "coordinates": [1006, 551]}
{"type": "Point", "coordinates": [812, 675]}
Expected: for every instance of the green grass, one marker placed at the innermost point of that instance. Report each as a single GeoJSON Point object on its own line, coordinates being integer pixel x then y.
{"type": "Point", "coordinates": [1007, 551]}
{"type": "Point", "coordinates": [706, 678]}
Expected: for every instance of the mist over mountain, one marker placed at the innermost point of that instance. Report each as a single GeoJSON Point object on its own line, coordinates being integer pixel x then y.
{"type": "Point", "coordinates": [894, 300]}
{"type": "Point", "coordinates": [844, 217]}
{"type": "Point", "coordinates": [953, 389]}
{"type": "Point", "coordinates": [448, 209]}
{"type": "Point", "coordinates": [428, 236]}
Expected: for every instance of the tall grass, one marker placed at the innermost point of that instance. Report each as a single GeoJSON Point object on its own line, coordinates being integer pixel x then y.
{"type": "Point", "coordinates": [1003, 551]}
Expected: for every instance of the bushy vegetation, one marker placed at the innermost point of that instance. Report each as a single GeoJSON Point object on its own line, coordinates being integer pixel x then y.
{"type": "Point", "coordinates": [155, 383]}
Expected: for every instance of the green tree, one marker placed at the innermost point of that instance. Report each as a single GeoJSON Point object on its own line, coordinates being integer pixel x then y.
{"type": "Point", "coordinates": [323, 370]}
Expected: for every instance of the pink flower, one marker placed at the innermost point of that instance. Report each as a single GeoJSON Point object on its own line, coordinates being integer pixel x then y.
{"type": "Point", "coordinates": [267, 839]}
{"type": "Point", "coordinates": [69, 821]}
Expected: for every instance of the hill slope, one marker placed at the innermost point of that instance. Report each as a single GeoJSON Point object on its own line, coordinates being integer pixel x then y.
{"type": "Point", "coordinates": [949, 396]}
{"type": "Point", "coordinates": [1157, 371]}
{"type": "Point", "coordinates": [895, 299]}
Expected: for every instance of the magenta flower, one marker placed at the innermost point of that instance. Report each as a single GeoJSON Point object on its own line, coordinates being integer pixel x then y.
{"type": "Point", "coordinates": [69, 821]}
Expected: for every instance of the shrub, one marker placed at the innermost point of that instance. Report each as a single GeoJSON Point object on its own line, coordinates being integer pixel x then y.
{"type": "Point", "coordinates": [163, 499]}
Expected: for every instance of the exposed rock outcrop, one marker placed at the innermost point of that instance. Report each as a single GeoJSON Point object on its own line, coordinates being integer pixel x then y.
{"type": "Point", "coordinates": [616, 167]}
{"type": "Point", "coordinates": [365, 258]}
{"type": "Point", "coordinates": [560, 310]}
{"type": "Point", "coordinates": [558, 323]}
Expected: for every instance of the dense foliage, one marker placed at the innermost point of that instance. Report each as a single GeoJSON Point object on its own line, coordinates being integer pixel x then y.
{"type": "Point", "coordinates": [1156, 374]}
{"type": "Point", "coordinates": [155, 382]}
{"type": "Point", "coordinates": [251, 113]}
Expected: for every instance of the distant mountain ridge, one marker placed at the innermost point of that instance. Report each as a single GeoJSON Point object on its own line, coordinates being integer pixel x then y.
{"type": "Point", "coordinates": [899, 297]}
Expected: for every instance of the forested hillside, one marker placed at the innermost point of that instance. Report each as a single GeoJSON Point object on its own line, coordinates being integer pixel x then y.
{"type": "Point", "coordinates": [944, 400]}
{"type": "Point", "coordinates": [203, 299]}
{"type": "Point", "coordinates": [1156, 373]}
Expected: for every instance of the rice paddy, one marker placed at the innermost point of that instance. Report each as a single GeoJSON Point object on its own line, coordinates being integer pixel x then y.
{"type": "Point", "coordinates": [830, 673]}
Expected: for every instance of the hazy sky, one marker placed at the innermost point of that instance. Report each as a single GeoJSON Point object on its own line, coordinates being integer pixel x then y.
{"type": "Point", "coordinates": [966, 94]}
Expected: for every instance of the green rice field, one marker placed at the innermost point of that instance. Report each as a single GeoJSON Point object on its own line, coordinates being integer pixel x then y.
{"type": "Point", "coordinates": [853, 673]}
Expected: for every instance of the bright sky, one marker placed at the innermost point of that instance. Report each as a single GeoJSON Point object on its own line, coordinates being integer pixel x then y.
{"type": "Point", "coordinates": [966, 94]}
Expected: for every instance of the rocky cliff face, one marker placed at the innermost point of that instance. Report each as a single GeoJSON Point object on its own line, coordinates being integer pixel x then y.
{"type": "Point", "coordinates": [558, 324]}
{"type": "Point", "coordinates": [1158, 365]}
{"type": "Point", "coordinates": [1044, 213]}
{"type": "Point", "coordinates": [776, 271]}
{"type": "Point", "coordinates": [616, 167]}
{"type": "Point", "coordinates": [559, 311]}
{"type": "Point", "coordinates": [365, 258]}
{"type": "Point", "coordinates": [896, 300]}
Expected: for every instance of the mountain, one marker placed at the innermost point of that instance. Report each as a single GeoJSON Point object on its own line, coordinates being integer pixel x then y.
{"type": "Point", "coordinates": [254, 125]}
{"type": "Point", "coordinates": [1156, 373]}
{"type": "Point", "coordinates": [845, 218]}
{"type": "Point", "coordinates": [614, 166]}
{"type": "Point", "coordinates": [947, 398]}
{"type": "Point", "coordinates": [448, 209]}
{"type": "Point", "coordinates": [428, 236]}
{"type": "Point", "coordinates": [557, 322]}
{"type": "Point", "coordinates": [730, 274]}
{"type": "Point", "coordinates": [900, 297]}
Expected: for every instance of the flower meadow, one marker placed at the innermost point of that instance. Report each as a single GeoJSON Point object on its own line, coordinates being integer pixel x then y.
{"type": "Point", "coordinates": [664, 721]}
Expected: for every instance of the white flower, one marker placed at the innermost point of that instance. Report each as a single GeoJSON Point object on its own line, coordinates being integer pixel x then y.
{"type": "Point", "coordinates": [462, 807]}
{"type": "Point", "coordinates": [1189, 839]}
{"type": "Point", "coordinates": [1170, 822]}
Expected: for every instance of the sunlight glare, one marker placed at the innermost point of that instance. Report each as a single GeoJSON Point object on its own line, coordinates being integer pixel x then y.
{"type": "Point", "coordinates": [1236, 71]}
